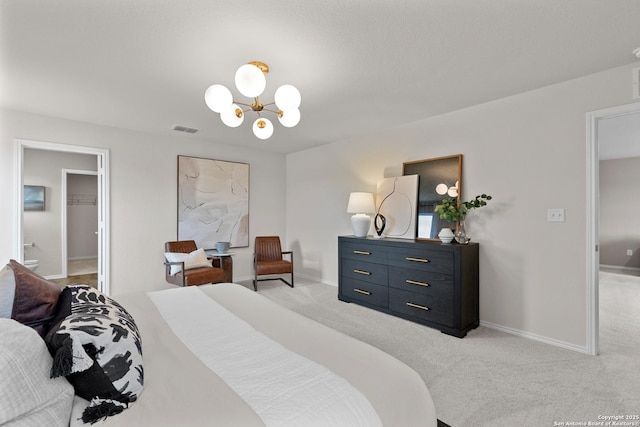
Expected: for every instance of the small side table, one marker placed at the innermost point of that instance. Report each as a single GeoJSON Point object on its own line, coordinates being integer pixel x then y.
{"type": "Point", "coordinates": [223, 261]}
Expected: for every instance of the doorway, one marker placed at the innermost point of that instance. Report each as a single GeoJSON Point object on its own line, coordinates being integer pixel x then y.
{"type": "Point", "coordinates": [80, 226]}
{"type": "Point", "coordinates": [102, 201]}
{"type": "Point", "coordinates": [595, 121]}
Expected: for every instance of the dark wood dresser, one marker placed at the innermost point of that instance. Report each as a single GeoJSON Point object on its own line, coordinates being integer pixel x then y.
{"type": "Point", "coordinates": [424, 281]}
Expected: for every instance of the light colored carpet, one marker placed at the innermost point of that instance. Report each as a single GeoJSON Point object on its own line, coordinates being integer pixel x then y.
{"type": "Point", "coordinates": [491, 378]}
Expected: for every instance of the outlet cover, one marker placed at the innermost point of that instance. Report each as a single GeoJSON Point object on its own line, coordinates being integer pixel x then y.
{"type": "Point", "coordinates": [555, 215]}
{"type": "Point", "coordinates": [630, 252]}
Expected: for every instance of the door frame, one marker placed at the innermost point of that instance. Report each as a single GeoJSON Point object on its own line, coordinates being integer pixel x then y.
{"type": "Point", "coordinates": [65, 206]}
{"type": "Point", "coordinates": [593, 219]}
{"type": "Point", "coordinates": [102, 156]}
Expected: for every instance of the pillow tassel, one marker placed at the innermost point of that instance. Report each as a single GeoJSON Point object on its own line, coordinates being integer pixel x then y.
{"type": "Point", "coordinates": [100, 409]}
{"type": "Point", "coordinates": [63, 359]}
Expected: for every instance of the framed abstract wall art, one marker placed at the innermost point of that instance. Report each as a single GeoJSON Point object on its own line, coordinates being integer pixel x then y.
{"type": "Point", "coordinates": [34, 197]}
{"type": "Point", "coordinates": [213, 202]}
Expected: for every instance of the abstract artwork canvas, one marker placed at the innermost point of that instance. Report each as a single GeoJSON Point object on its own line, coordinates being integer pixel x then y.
{"type": "Point", "coordinates": [34, 197]}
{"type": "Point", "coordinates": [213, 202]}
{"type": "Point", "coordinates": [396, 200]}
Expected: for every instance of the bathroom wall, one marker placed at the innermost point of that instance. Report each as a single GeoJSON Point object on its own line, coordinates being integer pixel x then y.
{"type": "Point", "coordinates": [44, 228]}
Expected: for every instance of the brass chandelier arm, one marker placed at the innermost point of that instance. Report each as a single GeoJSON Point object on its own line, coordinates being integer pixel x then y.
{"type": "Point", "coordinates": [278, 112]}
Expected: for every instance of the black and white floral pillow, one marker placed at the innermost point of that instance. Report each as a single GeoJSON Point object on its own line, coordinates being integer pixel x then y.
{"type": "Point", "coordinates": [96, 344]}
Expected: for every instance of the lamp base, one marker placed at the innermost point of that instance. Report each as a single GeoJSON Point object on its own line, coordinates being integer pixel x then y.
{"type": "Point", "coordinates": [360, 224]}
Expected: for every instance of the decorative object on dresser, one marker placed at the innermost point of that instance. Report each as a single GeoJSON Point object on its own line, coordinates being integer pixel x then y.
{"type": "Point", "coordinates": [419, 280]}
{"type": "Point", "coordinates": [396, 200]}
{"type": "Point", "coordinates": [268, 260]}
{"type": "Point", "coordinates": [213, 201]}
{"type": "Point", "coordinates": [446, 235]}
{"type": "Point", "coordinates": [452, 210]}
{"type": "Point", "coordinates": [360, 204]}
{"type": "Point", "coordinates": [439, 178]}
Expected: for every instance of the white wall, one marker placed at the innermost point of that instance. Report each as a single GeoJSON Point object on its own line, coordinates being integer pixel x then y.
{"type": "Point", "coordinates": [143, 191]}
{"type": "Point", "coordinates": [528, 151]}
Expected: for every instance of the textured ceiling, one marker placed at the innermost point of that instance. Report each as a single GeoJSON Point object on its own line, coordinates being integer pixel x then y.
{"type": "Point", "coordinates": [361, 65]}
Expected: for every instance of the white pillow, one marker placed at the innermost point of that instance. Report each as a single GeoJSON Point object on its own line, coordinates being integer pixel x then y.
{"type": "Point", "coordinates": [195, 259]}
{"type": "Point", "coordinates": [28, 397]}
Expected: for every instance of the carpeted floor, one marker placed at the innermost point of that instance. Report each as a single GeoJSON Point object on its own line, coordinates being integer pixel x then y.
{"type": "Point", "coordinates": [495, 379]}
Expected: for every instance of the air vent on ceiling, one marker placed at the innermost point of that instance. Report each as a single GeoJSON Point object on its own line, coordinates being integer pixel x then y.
{"type": "Point", "coordinates": [185, 129]}
{"type": "Point", "coordinates": [636, 83]}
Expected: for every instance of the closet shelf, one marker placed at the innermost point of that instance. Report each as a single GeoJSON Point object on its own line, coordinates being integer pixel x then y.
{"type": "Point", "coordinates": [81, 199]}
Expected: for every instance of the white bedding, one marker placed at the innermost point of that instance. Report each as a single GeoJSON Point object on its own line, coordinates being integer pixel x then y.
{"type": "Point", "coordinates": [180, 389]}
{"type": "Point", "coordinates": [282, 387]}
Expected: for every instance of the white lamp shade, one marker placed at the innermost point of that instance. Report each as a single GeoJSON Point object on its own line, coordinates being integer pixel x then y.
{"type": "Point", "coordinates": [360, 203]}
{"type": "Point", "coordinates": [218, 98]}
{"type": "Point", "coordinates": [230, 116]}
{"type": "Point", "coordinates": [290, 118]}
{"type": "Point", "coordinates": [263, 128]}
{"type": "Point", "coordinates": [287, 97]}
{"type": "Point", "coordinates": [250, 80]}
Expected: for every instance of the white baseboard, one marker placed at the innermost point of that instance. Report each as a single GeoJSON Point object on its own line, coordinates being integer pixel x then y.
{"type": "Point", "coordinates": [619, 267]}
{"type": "Point", "coordinates": [76, 258]}
{"type": "Point", "coordinates": [535, 337]}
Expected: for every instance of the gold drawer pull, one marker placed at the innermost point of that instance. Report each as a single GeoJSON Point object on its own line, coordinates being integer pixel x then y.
{"type": "Point", "coordinates": [360, 291]}
{"type": "Point", "coordinates": [421, 307]}
{"type": "Point", "coordinates": [413, 282]}
{"type": "Point", "coordinates": [362, 252]}
{"type": "Point", "coordinates": [417, 259]}
{"type": "Point", "coordinates": [366, 273]}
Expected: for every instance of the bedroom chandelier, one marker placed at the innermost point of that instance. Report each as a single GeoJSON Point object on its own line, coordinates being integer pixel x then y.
{"type": "Point", "coordinates": [251, 81]}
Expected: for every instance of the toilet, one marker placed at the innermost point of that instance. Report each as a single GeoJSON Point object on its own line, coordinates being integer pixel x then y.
{"type": "Point", "coordinates": [31, 264]}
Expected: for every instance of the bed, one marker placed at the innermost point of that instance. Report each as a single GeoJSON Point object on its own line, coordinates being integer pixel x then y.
{"type": "Point", "coordinates": [223, 355]}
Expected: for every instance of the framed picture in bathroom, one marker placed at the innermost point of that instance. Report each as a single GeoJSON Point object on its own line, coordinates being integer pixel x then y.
{"type": "Point", "coordinates": [34, 197]}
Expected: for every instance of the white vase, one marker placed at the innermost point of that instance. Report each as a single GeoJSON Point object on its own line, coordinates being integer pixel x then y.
{"type": "Point", "coordinates": [446, 235]}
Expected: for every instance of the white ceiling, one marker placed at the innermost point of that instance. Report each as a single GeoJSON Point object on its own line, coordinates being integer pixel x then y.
{"type": "Point", "coordinates": [361, 65]}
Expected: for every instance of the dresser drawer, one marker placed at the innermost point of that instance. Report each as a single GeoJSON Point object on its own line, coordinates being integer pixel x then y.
{"type": "Point", "coordinates": [423, 259]}
{"type": "Point", "coordinates": [421, 306]}
{"type": "Point", "coordinates": [365, 271]}
{"type": "Point", "coordinates": [365, 252]}
{"type": "Point", "coordinates": [435, 285]}
{"type": "Point", "coordinates": [366, 292]}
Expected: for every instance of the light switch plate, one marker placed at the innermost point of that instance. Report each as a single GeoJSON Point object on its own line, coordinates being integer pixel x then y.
{"type": "Point", "coordinates": [555, 215]}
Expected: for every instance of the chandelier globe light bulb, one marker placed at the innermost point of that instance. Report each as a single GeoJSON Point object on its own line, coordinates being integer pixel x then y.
{"type": "Point", "coordinates": [287, 97]}
{"type": "Point", "coordinates": [218, 98]}
{"type": "Point", "coordinates": [289, 118]}
{"type": "Point", "coordinates": [232, 116]}
{"type": "Point", "coordinates": [250, 80]}
{"type": "Point", "coordinates": [262, 128]}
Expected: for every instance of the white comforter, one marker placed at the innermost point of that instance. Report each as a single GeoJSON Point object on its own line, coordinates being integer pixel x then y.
{"type": "Point", "coordinates": [282, 387]}
{"type": "Point", "coordinates": [182, 390]}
